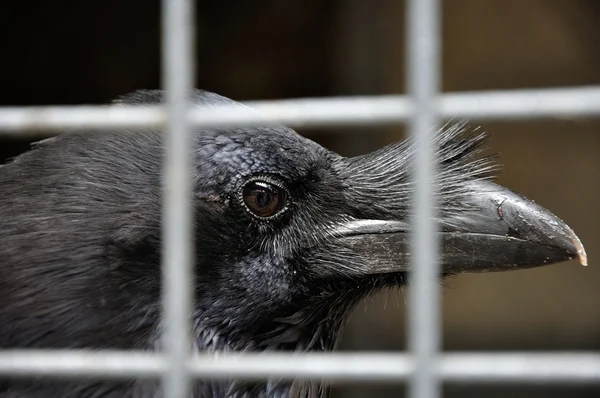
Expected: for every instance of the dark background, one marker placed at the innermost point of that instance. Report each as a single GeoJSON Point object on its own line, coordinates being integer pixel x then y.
{"type": "Point", "coordinates": [74, 52]}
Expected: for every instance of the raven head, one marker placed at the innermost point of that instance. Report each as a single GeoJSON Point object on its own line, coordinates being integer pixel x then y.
{"type": "Point", "coordinates": [289, 236]}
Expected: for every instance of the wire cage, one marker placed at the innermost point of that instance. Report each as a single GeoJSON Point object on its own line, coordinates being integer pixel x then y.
{"type": "Point", "coordinates": [425, 366]}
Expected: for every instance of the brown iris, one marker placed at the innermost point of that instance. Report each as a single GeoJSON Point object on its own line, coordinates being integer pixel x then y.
{"type": "Point", "coordinates": [264, 199]}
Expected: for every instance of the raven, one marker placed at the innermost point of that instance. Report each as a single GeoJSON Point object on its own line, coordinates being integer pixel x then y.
{"type": "Point", "coordinates": [289, 237]}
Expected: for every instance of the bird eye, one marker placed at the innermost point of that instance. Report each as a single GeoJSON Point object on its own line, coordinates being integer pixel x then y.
{"type": "Point", "coordinates": [264, 199]}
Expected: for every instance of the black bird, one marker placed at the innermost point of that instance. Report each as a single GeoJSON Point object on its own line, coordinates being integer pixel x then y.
{"type": "Point", "coordinates": [289, 237]}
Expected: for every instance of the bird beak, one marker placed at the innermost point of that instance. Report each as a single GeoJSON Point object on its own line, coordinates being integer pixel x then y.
{"type": "Point", "coordinates": [500, 231]}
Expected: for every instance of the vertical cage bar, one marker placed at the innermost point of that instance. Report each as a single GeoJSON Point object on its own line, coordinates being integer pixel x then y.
{"type": "Point", "coordinates": [423, 70]}
{"type": "Point", "coordinates": [177, 260]}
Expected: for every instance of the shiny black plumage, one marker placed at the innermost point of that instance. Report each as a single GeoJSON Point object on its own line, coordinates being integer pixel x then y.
{"type": "Point", "coordinates": [80, 238]}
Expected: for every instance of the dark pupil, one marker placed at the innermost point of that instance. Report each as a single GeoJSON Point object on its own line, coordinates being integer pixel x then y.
{"type": "Point", "coordinates": [262, 198]}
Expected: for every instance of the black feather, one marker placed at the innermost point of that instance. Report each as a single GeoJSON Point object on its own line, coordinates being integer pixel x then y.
{"type": "Point", "coordinates": [80, 218]}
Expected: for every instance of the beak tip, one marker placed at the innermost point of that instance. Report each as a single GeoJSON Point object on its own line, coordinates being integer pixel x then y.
{"type": "Point", "coordinates": [581, 254]}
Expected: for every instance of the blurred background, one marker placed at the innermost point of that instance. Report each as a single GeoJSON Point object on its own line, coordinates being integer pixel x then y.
{"type": "Point", "coordinates": [88, 52]}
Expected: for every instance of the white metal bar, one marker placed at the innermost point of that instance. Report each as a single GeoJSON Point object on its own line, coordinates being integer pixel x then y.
{"type": "Point", "coordinates": [177, 233]}
{"type": "Point", "coordinates": [471, 367]}
{"type": "Point", "coordinates": [423, 83]}
{"type": "Point", "coordinates": [509, 105]}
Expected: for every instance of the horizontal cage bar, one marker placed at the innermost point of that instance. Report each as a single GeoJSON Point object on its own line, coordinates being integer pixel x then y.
{"type": "Point", "coordinates": [472, 367]}
{"type": "Point", "coordinates": [559, 103]}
